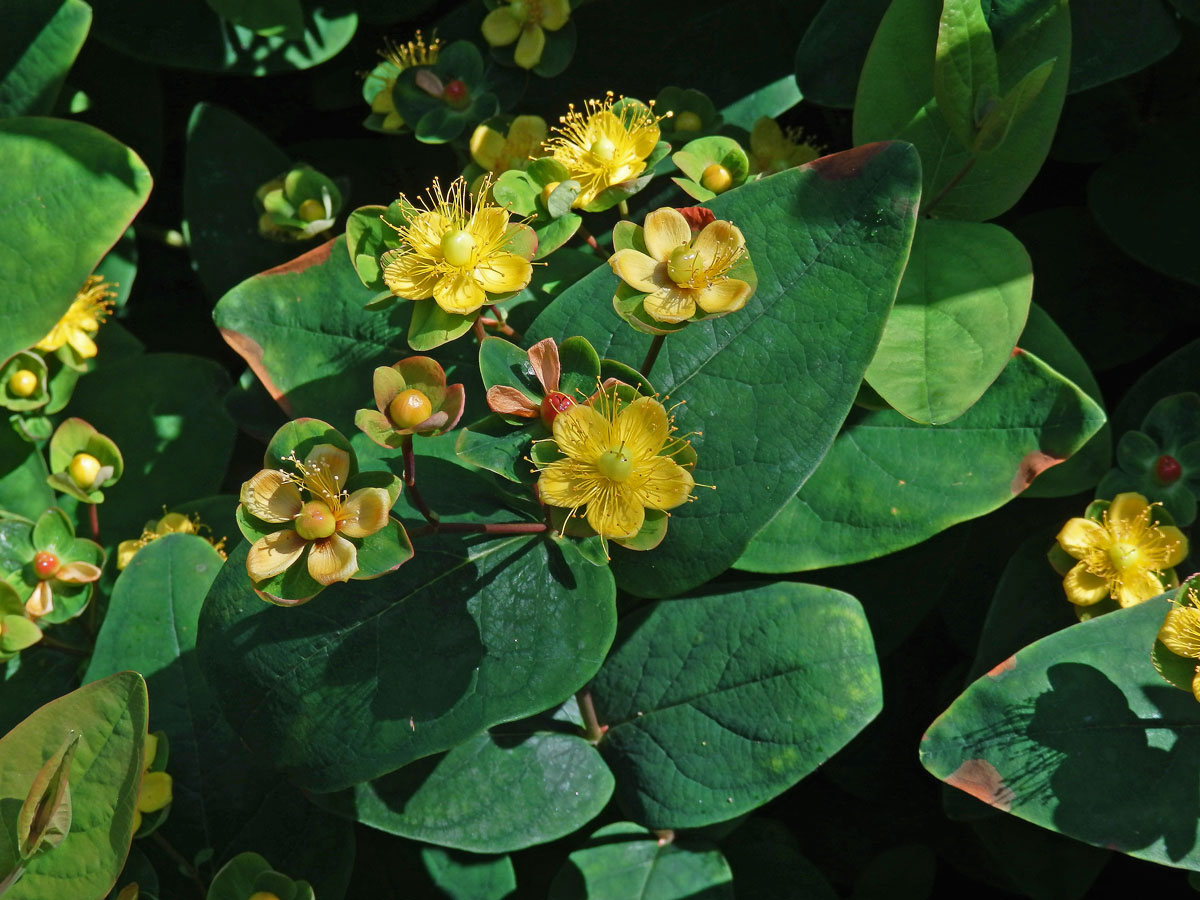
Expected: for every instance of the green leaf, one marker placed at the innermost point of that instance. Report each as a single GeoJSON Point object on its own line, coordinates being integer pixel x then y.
{"type": "Point", "coordinates": [964, 67]}
{"type": "Point", "coordinates": [175, 436]}
{"type": "Point", "coordinates": [225, 802]}
{"type": "Point", "coordinates": [58, 172]}
{"type": "Point", "coordinates": [109, 718]}
{"type": "Point", "coordinates": [775, 98]}
{"type": "Point", "coordinates": [831, 53]}
{"type": "Point", "coordinates": [1000, 119]}
{"type": "Point", "coordinates": [1038, 737]}
{"type": "Point", "coordinates": [961, 306]}
{"type": "Point", "coordinates": [1175, 374]}
{"type": "Point", "coordinates": [45, 817]}
{"type": "Point", "coordinates": [626, 862]}
{"type": "Point", "coordinates": [40, 42]}
{"type": "Point", "coordinates": [23, 488]}
{"type": "Point", "coordinates": [1111, 40]}
{"type": "Point", "coordinates": [513, 788]}
{"type": "Point", "coordinates": [747, 693]}
{"type": "Point", "coordinates": [495, 445]}
{"type": "Point", "coordinates": [248, 874]}
{"type": "Point", "coordinates": [193, 36]}
{"type": "Point", "coordinates": [1145, 198]}
{"type": "Point", "coordinates": [265, 17]}
{"type": "Point", "coordinates": [1043, 338]}
{"type": "Point", "coordinates": [483, 631]}
{"type": "Point", "coordinates": [431, 326]}
{"type": "Point", "coordinates": [896, 100]}
{"type": "Point", "coordinates": [765, 858]}
{"type": "Point", "coordinates": [464, 876]}
{"type": "Point", "coordinates": [889, 483]}
{"type": "Point", "coordinates": [228, 159]}
{"type": "Point", "coordinates": [779, 375]}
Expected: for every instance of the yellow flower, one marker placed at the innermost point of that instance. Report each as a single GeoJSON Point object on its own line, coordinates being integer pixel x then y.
{"type": "Point", "coordinates": [319, 524]}
{"type": "Point", "coordinates": [498, 153]}
{"type": "Point", "coordinates": [170, 523]}
{"type": "Point", "coordinates": [156, 790]}
{"type": "Point", "coordinates": [457, 250]}
{"type": "Point", "coordinates": [601, 148]}
{"type": "Point", "coordinates": [1180, 633]}
{"type": "Point", "coordinates": [613, 464]}
{"type": "Point", "coordinates": [773, 150]}
{"type": "Point", "coordinates": [526, 22]}
{"type": "Point", "coordinates": [1125, 556]}
{"type": "Point", "coordinates": [82, 319]}
{"type": "Point", "coordinates": [397, 58]}
{"type": "Point", "coordinates": [685, 270]}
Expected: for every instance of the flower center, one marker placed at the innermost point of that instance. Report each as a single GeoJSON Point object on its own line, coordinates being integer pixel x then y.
{"type": "Point", "coordinates": [457, 247]}
{"type": "Point", "coordinates": [410, 408]}
{"type": "Point", "coordinates": [615, 464]}
{"type": "Point", "coordinates": [45, 564]}
{"type": "Point", "coordinates": [1123, 555]}
{"type": "Point", "coordinates": [83, 470]}
{"type": "Point", "coordinates": [716, 178]}
{"type": "Point", "coordinates": [603, 149]}
{"type": "Point", "coordinates": [682, 264]}
{"type": "Point", "coordinates": [315, 521]}
{"type": "Point", "coordinates": [311, 210]}
{"type": "Point", "coordinates": [456, 92]}
{"type": "Point", "coordinates": [688, 121]}
{"type": "Point", "coordinates": [526, 10]}
{"type": "Point", "coordinates": [22, 383]}
{"type": "Point", "coordinates": [554, 403]}
{"type": "Point", "coordinates": [1166, 468]}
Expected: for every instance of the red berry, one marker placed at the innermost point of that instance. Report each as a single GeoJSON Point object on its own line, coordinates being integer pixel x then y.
{"type": "Point", "coordinates": [456, 91]}
{"type": "Point", "coordinates": [555, 403]}
{"type": "Point", "coordinates": [45, 564]}
{"type": "Point", "coordinates": [1167, 469]}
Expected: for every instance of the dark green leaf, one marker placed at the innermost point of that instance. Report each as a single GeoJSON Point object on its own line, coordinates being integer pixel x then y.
{"type": "Point", "coordinates": [40, 41]}
{"type": "Point", "coordinates": [464, 876]}
{"type": "Point", "coordinates": [467, 635]}
{"type": "Point", "coordinates": [716, 704]}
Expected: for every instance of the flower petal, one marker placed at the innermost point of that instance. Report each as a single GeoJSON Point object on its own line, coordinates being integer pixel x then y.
{"type": "Point", "coordinates": [718, 245]}
{"type": "Point", "coordinates": [273, 553]}
{"type": "Point", "coordinates": [581, 433]}
{"type": "Point", "coordinates": [543, 357]}
{"type": "Point", "coordinates": [725, 296]}
{"type": "Point", "coordinates": [364, 512]}
{"type": "Point", "coordinates": [665, 230]}
{"type": "Point", "coordinates": [670, 304]}
{"type": "Point", "coordinates": [527, 133]}
{"type": "Point", "coordinates": [555, 14]}
{"type": "Point", "coordinates": [1081, 536]}
{"type": "Point", "coordinates": [508, 401]}
{"type": "Point", "coordinates": [1137, 585]}
{"type": "Point", "coordinates": [81, 343]}
{"type": "Point", "coordinates": [638, 270]}
{"type": "Point", "coordinates": [1126, 507]}
{"type": "Point", "coordinates": [500, 27]}
{"type": "Point", "coordinates": [332, 559]}
{"type": "Point", "coordinates": [501, 273]}
{"type": "Point", "coordinates": [459, 294]}
{"type": "Point", "coordinates": [642, 427]}
{"type": "Point", "coordinates": [410, 276]}
{"type": "Point", "coordinates": [565, 483]}
{"type": "Point", "coordinates": [488, 227]}
{"type": "Point", "coordinates": [616, 512]}
{"type": "Point", "coordinates": [530, 46]}
{"type": "Point", "coordinates": [331, 459]}
{"type": "Point", "coordinates": [487, 144]}
{"type": "Point", "coordinates": [78, 573]}
{"type": "Point", "coordinates": [41, 601]}
{"type": "Point", "coordinates": [1180, 631]}
{"type": "Point", "coordinates": [270, 497]}
{"type": "Point", "coordinates": [1179, 550]}
{"type": "Point", "coordinates": [1083, 588]}
{"type": "Point", "coordinates": [662, 483]}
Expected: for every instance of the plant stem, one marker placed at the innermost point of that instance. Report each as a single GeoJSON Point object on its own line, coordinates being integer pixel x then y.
{"type": "Point", "coordinates": [652, 354]}
{"type": "Point", "coordinates": [477, 327]}
{"type": "Point", "coordinates": [497, 321]}
{"type": "Point", "coordinates": [480, 528]}
{"type": "Point", "coordinates": [591, 241]}
{"type": "Point", "coordinates": [951, 185]}
{"type": "Point", "coordinates": [180, 860]}
{"type": "Point", "coordinates": [592, 729]}
{"type": "Point", "coordinates": [410, 479]}
{"type": "Point", "coordinates": [94, 515]}
{"type": "Point", "coordinates": [623, 209]}
{"type": "Point", "coordinates": [53, 644]}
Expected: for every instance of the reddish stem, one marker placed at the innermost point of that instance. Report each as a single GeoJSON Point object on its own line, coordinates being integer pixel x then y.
{"type": "Point", "coordinates": [592, 729]}
{"type": "Point", "coordinates": [94, 515]}
{"type": "Point", "coordinates": [480, 528]}
{"type": "Point", "coordinates": [652, 354]}
{"type": "Point", "coordinates": [410, 480]}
